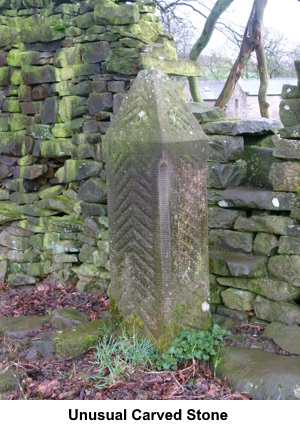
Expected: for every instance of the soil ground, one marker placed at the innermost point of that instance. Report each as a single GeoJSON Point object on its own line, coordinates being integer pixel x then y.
{"type": "Point", "coordinates": [74, 378]}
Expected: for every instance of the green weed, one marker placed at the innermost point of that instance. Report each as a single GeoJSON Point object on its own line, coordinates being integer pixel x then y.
{"type": "Point", "coordinates": [192, 344]}
{"type": "Point", "coordinates": [119, 356]}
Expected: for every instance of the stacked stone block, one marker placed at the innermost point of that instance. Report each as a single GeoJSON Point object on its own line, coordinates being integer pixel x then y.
{"type": "Point", "coordinates": [65, 67]}
{"type": "Point", "coordinates": [253, 217]}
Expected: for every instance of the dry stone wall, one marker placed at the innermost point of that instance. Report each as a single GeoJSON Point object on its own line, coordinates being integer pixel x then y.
{"type": "Point", "coordinates": [64, 69]}
{"type": "Point", "coordinates": [253, 215]}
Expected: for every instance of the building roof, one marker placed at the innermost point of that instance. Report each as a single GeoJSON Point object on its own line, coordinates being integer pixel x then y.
{"type": "Point", "coordinates": [251, 86]}
{"type": "Point", "coordinates": [210, 90]}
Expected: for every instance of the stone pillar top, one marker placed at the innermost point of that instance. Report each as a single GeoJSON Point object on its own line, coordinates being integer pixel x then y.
{"type": "Point", "coordinates": [154, 112]}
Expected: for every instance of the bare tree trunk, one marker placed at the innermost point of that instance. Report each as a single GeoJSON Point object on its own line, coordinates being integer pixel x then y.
{"type": "Point", "coordinates": [219, 7]}
{"type": "Point", "coordinates": [263, 75]}
{"type": "Point", "coordinates": [251, 41]}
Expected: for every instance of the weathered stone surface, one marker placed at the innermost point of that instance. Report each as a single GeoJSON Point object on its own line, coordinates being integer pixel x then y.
{"type": "Point", "coordinates": [289, 245]}
{"type": "Point", "coordinates": [92, 227]}
{"type": "Point", "coordinates": [77, 170]}
{"type": "Point", "coordinates": [66, 224]}
{"type": "Point", "coordinates": [53, 243]}
{"type": "Point", "coordinates": [73, 342]}
{"type": "Point", "coordinates": [285, 176]}
{"type": "Point", "coordinates": [67, 57]}
{"type": "Point", "coordinates": [137, 254]}
{"type": "Point", "coordinates": [239, 300]}
{"type": "Point", "coordinates": [118, 99]}
{"type": "Point", "coordinates": [289, 111]}
{"type": "Point", "coordinates": [38, 75]}
{"type": "Point", "coordinates": [93, 190]}
{"type": "Point", "coordinates": [171, 67]}
{"type": "Point", "coordinates": [232, 314]}
{"type": "Point", "coordinates": [19, 327]}
{"type": "Point", "coordinates": [290, 92]}
{"type": "Point", "coordinates": [265, 244]}
{"type": "Point", "coordinates": [290, 132]}
{"type": "Point", "coordinates": [288, 149]}
{"type": "Point", "coordinates": [30, 172]}
{"type": "Point", "coordinates": [261, 374]}
{"type": "Point", "coordinates": [57, 148]}
{"type": "Point", "coordinates": [85, 20]}
{"type": "Point", "coordinates": [59, 203]}
{"type": "Point", "coordinates": [221, 240]}
{"type": "Point", "coordinates": [3, 271]}
{"type": "Point", "coordinates": [286, 267]}
{"type": "Point", "coordinates": [31, 108]}
{"type": "Point", "coordinates": [99, 102]}
{"type": "Point", "coordinates": [95, 52]}
{"type": "Point", "coordinates": [91, 271]}
{"type": "Point", "coordinates": [67, 106]}
{"type": "Point", "coordinates": [215, 294]}
{"type": "Point", "coordinates": [270, 288]}
{"type": "Point", "coordinates": [4, 124]}
{"type": "Point", "coordinates": [233, 264]}
{"type": "Point", "coordinates": [41, 92]}
{"type": "Point", "coordinates": [117, 14]}
{"type": "Point", "coordinates": [78, 70]}
{"type": "Point", "coordinates": [4, 194]}
{"type": "Point", "coordinates": [13, 242]}
{"type": "Point", "coordinates": [5, 171]}
{"type": "Point", "coordinates": [41, 346]}
{"type": "Point", "coordinates": [100, 258]}
{"type": "Point", "coordinates": [38, 32]}
{"type": "Point", "coordinates": [8, 36]}
{"type": "Point", "coordinates": [265, 223]}
{"type": "Point", "coordinates": [86, 254]}
{"type": "Point", "coordinates": [226, 175]}
{"type": "Point", "coordinates": [258, 126]}
{"type": "Point", "coordinates": [259, 161]}
{"type": "Point", "coordinates": [4, 76]}
{"type": "Point", "coordinates": [225, 148]}
{"type": "Point", "coordinates": [205, 113]}
{"type": "Point", "coordinates": [253, 198]}
{"type": "Point", "coordinates": [62, 130]}
{"type": "Point", "coordinates": [65, 258]}
{"type": "Point", "coordinates": [284, 312]}
{"type": "Point", "coordinates": [19, 122]}
{"type": "Point", "coordinates": [286, 337]}
{"type": "Point", "coordinates": [116, 86]}
{"type": "Point", "coordinates": [49, 110]}
{"type": "Point", "coordinates": [223, 218]}
{"type": "Point", "coordinates": [143, 31]}
{"type": "Point", "coordinates": [17, 58]}
{"type": "Point", "coordinates": [67, 318]}
{"type": "Point", "coordinates": [20, 279]}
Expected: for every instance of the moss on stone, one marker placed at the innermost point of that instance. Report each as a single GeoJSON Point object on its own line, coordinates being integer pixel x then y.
{"type": "Point", "coordinates": [67, 57]}
{"type": "Point", "coordinates": [4, 76]}
{"type": "Point", "coordinates": [40, 74]}
{"type": "Point", "coordinates": [66, 107]}
{"type": "Point", "coordinates": [11, 105]}
{"type": "Point", "coordinates": [73, 342]}
{"type": "Point", "coordinates": [8, 36]}
{"type": "Point", "coordinates": [17, 58]}
{"type": "Point", "coordinates": [56, 148]}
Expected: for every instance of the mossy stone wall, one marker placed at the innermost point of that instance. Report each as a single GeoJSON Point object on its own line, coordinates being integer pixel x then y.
{"type": "Point", "coordinates": [65, 67]}
{"type": "Point", "coordinates": [253, 216]}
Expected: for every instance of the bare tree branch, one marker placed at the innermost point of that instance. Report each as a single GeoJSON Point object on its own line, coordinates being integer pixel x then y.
{"type": "Point", "coordinates": [252, 38]}
{"type": "Point", "coordinates": [219, 7]}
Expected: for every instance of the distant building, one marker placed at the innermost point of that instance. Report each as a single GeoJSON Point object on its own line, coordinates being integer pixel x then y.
{"type": "Point", "coordinates": [244, 100]}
